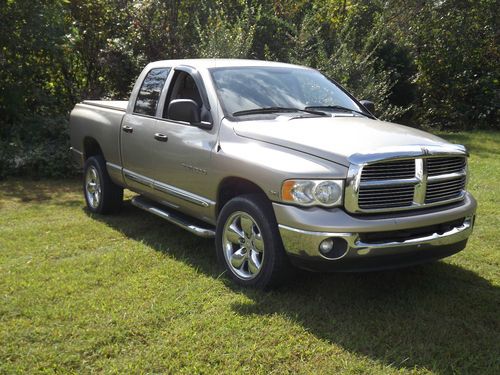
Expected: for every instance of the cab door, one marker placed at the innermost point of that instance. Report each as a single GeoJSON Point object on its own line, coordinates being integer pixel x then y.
{"type": "Point", "coordinates": [183, 152]}
{"type": "Point", "coordinates": [137, 132]}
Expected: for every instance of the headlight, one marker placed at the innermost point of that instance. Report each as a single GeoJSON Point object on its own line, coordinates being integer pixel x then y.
{"type": "Point", "coordinates": [326, 193]}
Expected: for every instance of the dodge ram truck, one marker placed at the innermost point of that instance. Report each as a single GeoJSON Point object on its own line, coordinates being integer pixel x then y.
{"type": "Point", "coordinates": [278, 163]}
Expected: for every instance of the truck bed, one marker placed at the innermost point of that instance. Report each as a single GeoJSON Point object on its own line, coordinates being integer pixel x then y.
{"type": "Point", "coordinates": [119, 105]}
{"type": "Point", "coordinates": [98, 121]}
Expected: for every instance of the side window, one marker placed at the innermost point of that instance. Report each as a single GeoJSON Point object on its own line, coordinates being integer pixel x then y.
{"type": "Point", "coordinates": [147, 99]}
{"type": "Point", "coordinates": [182, 87]}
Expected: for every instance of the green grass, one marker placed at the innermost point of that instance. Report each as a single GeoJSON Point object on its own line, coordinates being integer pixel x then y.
{"type": "Point", "coordinates": [133, 294]}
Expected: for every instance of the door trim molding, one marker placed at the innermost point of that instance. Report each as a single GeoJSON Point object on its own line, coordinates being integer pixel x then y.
{"type": "Point", "coordinates": [183, 194]}
{"type": "Point", "coordinates": [168, 189]}
{"type": "Point", "coordinates": [138, 178]}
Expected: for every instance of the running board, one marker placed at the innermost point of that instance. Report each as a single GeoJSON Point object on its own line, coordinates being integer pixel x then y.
{"type": "Point", "coordinates": [175, 218]}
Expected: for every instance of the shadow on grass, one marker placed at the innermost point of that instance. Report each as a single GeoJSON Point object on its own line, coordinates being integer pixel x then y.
{"type": "Point", "coordinates": [439, 316]}
{"type": "Point", "coordinates": [26, 191]}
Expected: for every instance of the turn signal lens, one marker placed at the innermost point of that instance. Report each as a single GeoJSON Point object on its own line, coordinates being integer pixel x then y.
{"type": "Point", "coordinates": [299, 191]}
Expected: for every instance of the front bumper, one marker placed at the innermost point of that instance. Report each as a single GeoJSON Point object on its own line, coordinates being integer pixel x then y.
{"type": "Point", "coordinates": [303, 229]}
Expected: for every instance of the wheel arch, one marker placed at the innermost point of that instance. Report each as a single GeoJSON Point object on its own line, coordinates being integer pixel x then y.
{"type": "Point", "coordinates": [232, 187]}
{"type": "Point", "coordinates": [91, 148]}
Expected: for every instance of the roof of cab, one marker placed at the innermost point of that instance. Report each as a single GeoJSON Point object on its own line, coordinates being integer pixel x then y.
{"type": "Point", "coordinates": [220, 63]}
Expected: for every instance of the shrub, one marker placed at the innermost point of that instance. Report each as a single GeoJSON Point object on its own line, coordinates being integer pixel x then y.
{"type": "Point", "coordinates": [38, 147]}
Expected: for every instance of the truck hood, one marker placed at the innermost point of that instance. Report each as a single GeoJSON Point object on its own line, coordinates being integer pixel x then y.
{"type": "Point", "coordinates": [336, 138]}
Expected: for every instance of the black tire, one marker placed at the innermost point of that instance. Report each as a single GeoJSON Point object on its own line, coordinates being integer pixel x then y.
{"type": "Point", "coordinates": [111, 195]}
{"type": "Point", "coordinates": [275, 266]}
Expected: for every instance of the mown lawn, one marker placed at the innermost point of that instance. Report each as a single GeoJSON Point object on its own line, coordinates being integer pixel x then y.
{"type": "Point", "coordinates": [133, 294]}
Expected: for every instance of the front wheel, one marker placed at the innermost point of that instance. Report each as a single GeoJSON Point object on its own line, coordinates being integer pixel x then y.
{"type": "Point", "coordinates": [248, 243]}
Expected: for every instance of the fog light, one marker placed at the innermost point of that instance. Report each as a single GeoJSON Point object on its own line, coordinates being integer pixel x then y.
{"type": "Point", "coordinates": [326, 246]}
{"type": "Point", "coordinates": [333, 248]}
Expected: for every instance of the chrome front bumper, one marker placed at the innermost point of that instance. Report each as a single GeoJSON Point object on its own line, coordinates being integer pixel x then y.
{"type": "Point", "coordinates": [302, 241]}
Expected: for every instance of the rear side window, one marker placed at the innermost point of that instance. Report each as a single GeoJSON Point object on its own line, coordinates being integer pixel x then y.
{"type": "Point", "coordinates": [147, 99]}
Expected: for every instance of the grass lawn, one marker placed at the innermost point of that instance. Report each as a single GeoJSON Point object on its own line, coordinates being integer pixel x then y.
{"type": "Point", "coordinates": [132, 293]}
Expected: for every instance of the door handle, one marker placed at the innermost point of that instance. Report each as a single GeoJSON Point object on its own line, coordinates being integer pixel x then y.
{"type": "Point", "coordinates": [161, 137]}
{"type": "Point", "coordinates": [127, 129]}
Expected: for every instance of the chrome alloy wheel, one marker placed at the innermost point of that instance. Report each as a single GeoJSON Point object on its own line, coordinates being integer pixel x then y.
{"type": "Point", "coordinates": [93, 188]}
{"type": "Point", "coordinates": [243, 245]}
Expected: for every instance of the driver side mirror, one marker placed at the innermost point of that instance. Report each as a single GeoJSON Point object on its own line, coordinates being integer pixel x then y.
{"type": "Point", "coordinates": [187, 110]}
{"type": "Point", "coordinates": [369, 105]}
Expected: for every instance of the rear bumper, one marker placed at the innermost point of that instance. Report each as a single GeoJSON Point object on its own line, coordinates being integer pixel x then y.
{"type": "Point", "coordinates": [373, 242]}
{"type": "Point", "coordinates": [77, 156]}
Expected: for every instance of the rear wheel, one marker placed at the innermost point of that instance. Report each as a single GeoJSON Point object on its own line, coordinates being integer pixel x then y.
{"type": "Point", "coordinates": [248, 243]}
{"type": "Point", "coordinates": [102, 195]}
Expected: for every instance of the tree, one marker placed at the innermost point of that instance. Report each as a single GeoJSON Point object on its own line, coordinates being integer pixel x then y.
{"type": "Point", "coordinates": [455, 47]}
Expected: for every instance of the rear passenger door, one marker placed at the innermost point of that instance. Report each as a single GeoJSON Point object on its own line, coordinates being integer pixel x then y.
{"type": "Point", "coordinates": [137, 131]}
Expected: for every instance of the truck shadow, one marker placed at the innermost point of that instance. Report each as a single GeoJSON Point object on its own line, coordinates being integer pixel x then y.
{"type": "Point", "coordinates": [439, 317]}
{"type": "Point", "coordinates": [61, 192]}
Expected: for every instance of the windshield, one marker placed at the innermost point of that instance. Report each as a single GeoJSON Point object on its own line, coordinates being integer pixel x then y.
{"type": "Point", "coordinates": [243, 89]}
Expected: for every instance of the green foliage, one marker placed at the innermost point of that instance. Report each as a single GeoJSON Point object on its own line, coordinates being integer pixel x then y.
{"type": "Point", "coordinates": [36, 88]}
{"type": "Point", "coordinates": [223, 38]}
{"type": "Point", "coordinates": [279, 46]}
{"type": "Point", "coordinates": [429, 64]}
{"type": "Point", "coordinates": [101, 58]}
{"type": "Point", "coordinates": [455, 47]}
{"type": "Point", "coordinates": [353, 61]}
{"type": "Point", "coordinates": [41, 147]}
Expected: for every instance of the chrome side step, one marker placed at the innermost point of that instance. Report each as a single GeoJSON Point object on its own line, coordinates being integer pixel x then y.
{"type": "Point", "coordinates": [177, 219]}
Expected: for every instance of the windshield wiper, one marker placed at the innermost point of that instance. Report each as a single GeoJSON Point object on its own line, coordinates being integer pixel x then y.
{"type": "Point", "coordinates": [339, 107]}
{"type": "Point", "coordinates": [276, 110]}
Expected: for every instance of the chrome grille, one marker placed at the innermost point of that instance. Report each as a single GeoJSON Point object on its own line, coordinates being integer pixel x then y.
{"type": "Point", "coordinates": [389, 170]}
{"type": "Point", "coordinates": [407, 183]}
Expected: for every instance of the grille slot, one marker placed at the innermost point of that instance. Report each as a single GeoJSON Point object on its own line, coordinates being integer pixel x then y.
{"type": "Point", "coordinates": [390, 170]}
{"type": "Point", "coordinates": [444, 190]}
{"type": "Point", "coordinates": [438, 166]}
{"type": "Point", "coordinates": [384, 196]}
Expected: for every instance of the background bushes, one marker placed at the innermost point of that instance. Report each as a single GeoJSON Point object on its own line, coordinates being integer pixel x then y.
{"type": "Point", "coordinates": [431, 64]}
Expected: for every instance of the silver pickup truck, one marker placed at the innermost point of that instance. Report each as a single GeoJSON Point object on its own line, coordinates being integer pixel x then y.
{"type": "Point", "coordinates": [277, 162]}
